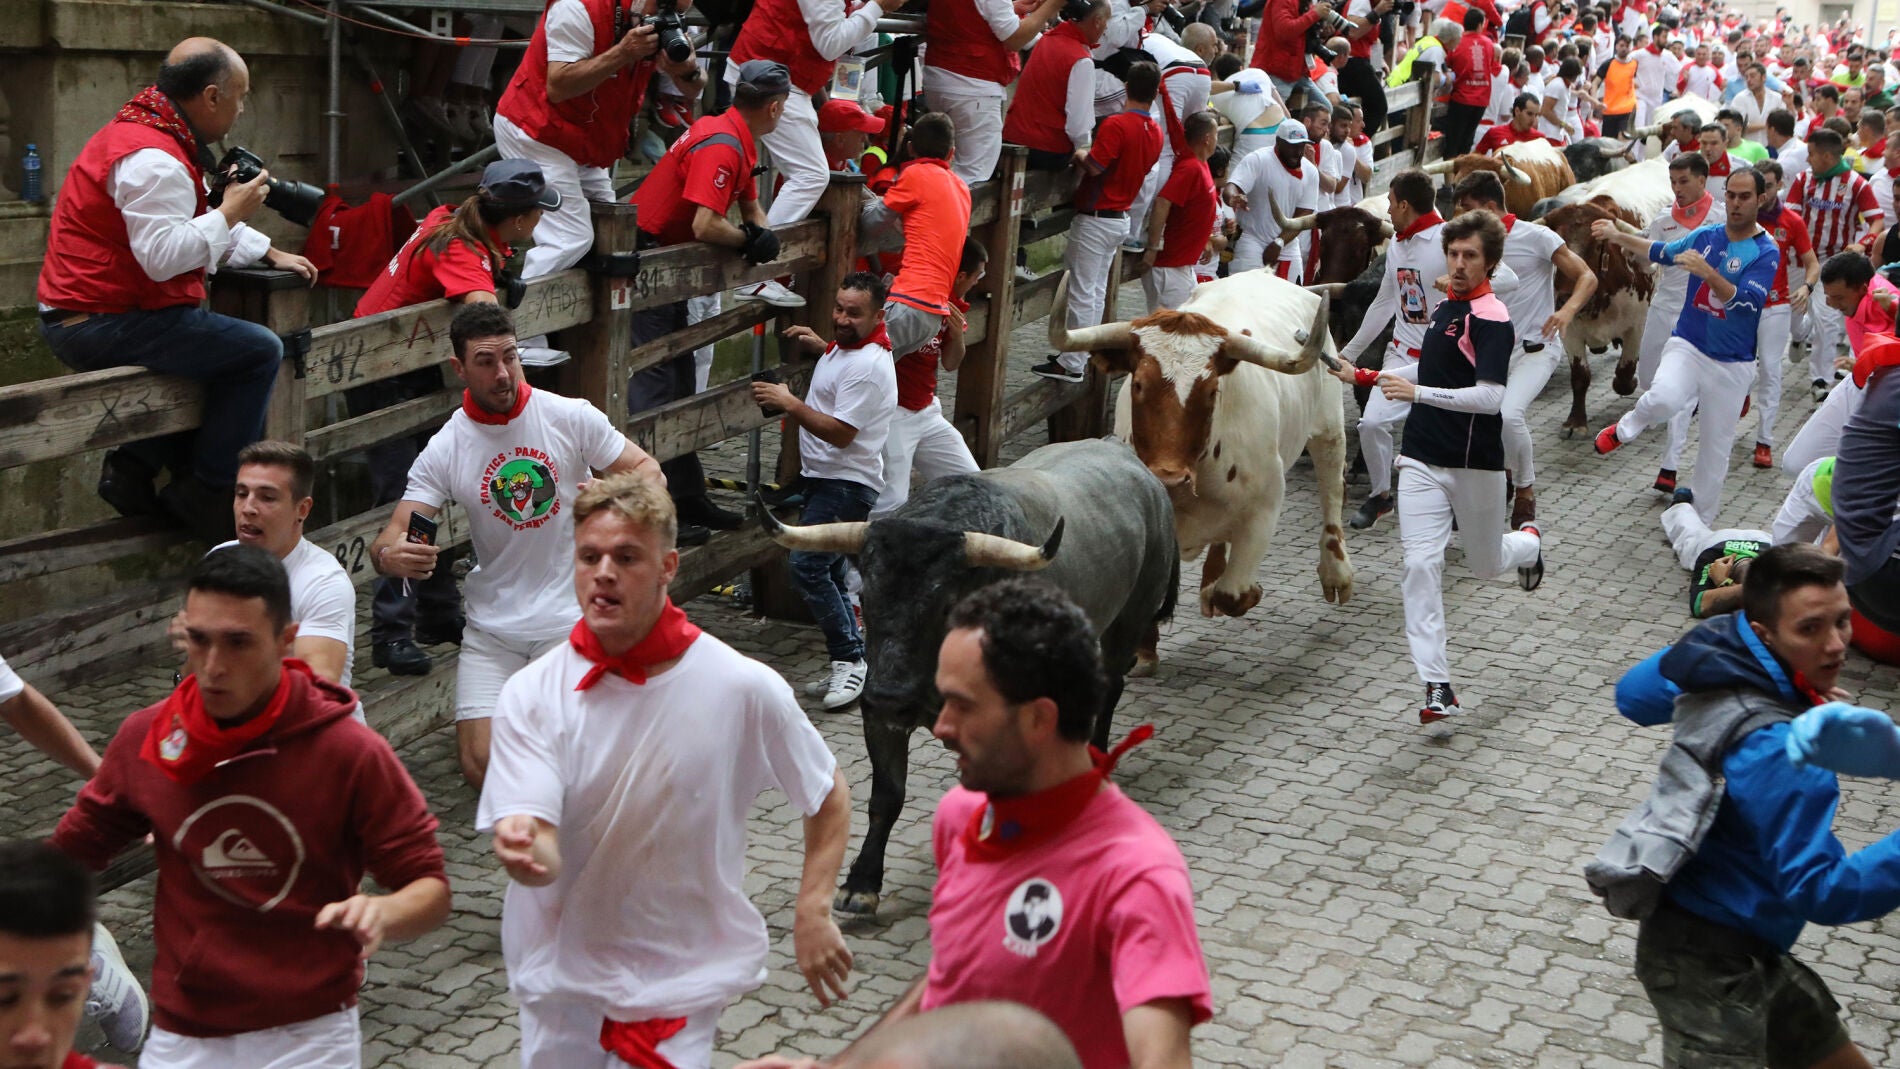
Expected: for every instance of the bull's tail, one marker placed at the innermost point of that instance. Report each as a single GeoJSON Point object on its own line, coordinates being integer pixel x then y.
{"type": "Point", "coordinates": [1168, 600]}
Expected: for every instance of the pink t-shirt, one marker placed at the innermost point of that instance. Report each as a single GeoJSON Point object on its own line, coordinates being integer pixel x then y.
{"type": "Point", "coordinates": [1083, 928]}
{"type": "Point", "coordinates": [1870, 316]}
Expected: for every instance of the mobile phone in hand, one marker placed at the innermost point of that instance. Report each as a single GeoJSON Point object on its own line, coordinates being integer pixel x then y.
{"type": "Point", "coordinates": [422, 529]}
{"type": "Point", "coordinates": [770, 374]}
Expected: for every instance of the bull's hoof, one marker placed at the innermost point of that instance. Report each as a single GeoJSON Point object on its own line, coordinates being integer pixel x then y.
{"type": "Point", "coordinates": [1625, 381]}
{"type": "Point", "coordinates": [1221, 603]}
{"type": "Point", "coordinates": [849, 903]}
{"type": "Point", "coordinates": [1573, 425]}
{"type": "Point", "coordinates": [1146, 665]}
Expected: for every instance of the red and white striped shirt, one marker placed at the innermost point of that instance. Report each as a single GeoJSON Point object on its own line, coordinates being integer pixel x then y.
{"type": "Point", "coordinates": [1830, 207]}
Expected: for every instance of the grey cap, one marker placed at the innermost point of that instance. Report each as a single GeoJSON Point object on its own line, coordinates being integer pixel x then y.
{"type": "Point", "coordinates": [765, 76]}
{"type": "Point", "coordinates": [518, 184]}
{"type": "Point", "coordinates": [1292, 132]}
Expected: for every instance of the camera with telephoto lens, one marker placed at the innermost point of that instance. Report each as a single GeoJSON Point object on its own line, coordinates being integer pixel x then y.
{"type": "Point", "coordinates": [295, 201]}
{"type": "Point", "coordinates": [672, 34]}
{"type": "Point", "coordinates": [1325, 30]}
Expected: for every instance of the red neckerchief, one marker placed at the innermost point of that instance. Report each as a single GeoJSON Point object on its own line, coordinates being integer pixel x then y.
{"type": "Point", "coordinates": [638, 1042]}
{"type": "Point", "coordinates": [1484, 289]}
{"type": "Point", "coordinates": [482, 415]}
{"type": "Point", "coordinates": [1721, 169]}
{"type": "Point", "coordinates": [156, 110]}
{"type": "Point", "coordinates": [877, 337]}
{"type": "Point", "coordinates": [1876, 351]}
{"type": "Point", "coordinates": [1429, 219]}
{"type": "Point", "coordinates": [1006, 826]}
{"type": "Point", "coordinates": [1509, 221]}
{"type": "Point", "coordinates": [1692, 216]}
{"type": "Point", "coordinates": [185, 743]}
{"type": "Point", "coordinates": [672, 633]}
{"type": "Point", "coordinates": [1361, 139]}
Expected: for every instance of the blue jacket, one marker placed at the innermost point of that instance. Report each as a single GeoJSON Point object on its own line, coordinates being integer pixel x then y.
{"type": "Point", "coordinates": [1770, 863]}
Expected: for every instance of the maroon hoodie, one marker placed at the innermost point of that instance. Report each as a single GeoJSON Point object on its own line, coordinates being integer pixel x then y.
{"type": "Point", "coordinates": [250, 853]}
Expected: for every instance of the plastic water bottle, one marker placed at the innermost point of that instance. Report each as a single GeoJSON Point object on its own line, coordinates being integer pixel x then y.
{"type": "Point", "coordinates": [32, 193]}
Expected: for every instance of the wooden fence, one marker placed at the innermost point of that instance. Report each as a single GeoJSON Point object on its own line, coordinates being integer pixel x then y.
{"type": "Point", "coordinates": [53, 419]}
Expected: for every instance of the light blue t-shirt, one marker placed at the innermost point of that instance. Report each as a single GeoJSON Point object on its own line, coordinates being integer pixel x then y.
{"type": "Point", "coordinates": [1725, 331]}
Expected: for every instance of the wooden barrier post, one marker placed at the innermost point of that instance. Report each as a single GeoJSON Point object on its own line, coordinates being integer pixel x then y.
{"type": "Point", "coordinates": [280, 302]}
{"type": "Point", "coordinates": [980, 381]}
{"type": "Point", "coordinates": [1418, 125]}
{"type": "Point", "coordinates": [599, 346]}
{"type": "Point", "coordinates": [1087, 416]}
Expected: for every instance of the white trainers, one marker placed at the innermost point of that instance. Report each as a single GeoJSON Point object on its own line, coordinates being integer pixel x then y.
{"type": "Point", "coordinates": [116, 1000]}
{"type": "Point", "coordinates": [542, 356]}
{"type": "Point", "coordinates": [847, 682]}
{"type": "Point", "coordinates": [772, 292]}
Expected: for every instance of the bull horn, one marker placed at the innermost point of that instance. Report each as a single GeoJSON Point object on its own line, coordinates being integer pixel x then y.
{"type": "Point", "coordinates": [1604, 148]}
{"type": "Point", "coordinates": [1644, 133]}
{"type": "Point", "coordinates": [818, 538]}
{"type": "Point", "coordinates": [1438, 167]}
{"type": "Point", "coordinates": [1085, 339]}
{"type": "Point", "coordinates": [1326, 289]}
{"type": "Point", "coordinates": [1514, 174]}
{"type": "Point", "coordinates": [1290, 227]}
{"type": "Point", "coordinates": [994, 551]}
{"type": "Point", "coordinates": [1313, 342]}
{"type": "Point", "coordinates": [1386, 229]}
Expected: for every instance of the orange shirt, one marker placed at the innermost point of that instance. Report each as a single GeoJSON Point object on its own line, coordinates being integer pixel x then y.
{"type": "Point", "coordinates": [1619, 87]}
{"type": "Point", "coordinates": [935, 207]}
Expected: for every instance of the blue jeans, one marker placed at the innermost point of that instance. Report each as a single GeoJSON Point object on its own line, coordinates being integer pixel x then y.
{"type": "Point", "coordinates": [821, 576]}
{"type": "Point", "coordinates": [234, 360]}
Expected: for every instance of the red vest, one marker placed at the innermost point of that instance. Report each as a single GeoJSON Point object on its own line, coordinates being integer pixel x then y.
{"type": "Point", "coordinates": [961, 42]}
{"type": "Point", "coordinates": [590, 129]}
{"type": "Point", "coordinates": [776, 30]}
{"type": "Point", "coordinates": [1039, 113]}
{"type": "Point", "coordinates": [95, 270]}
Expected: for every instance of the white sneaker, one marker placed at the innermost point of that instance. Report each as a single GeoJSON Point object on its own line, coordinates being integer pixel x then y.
{"type": "Point", "coordinates": [542, 356]}
{"type": "Point", "coordinates": [772, 292]}
{"type": "Point", "coordinates": [847, 682]}
{"type": "Point", "coordinates": [116, 1000]}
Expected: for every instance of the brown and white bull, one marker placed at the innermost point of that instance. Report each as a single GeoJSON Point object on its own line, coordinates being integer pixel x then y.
{"type": "Point", "coordinates": [1530, 171]}
{"type": "Point", "coordinates": [1223, 394]}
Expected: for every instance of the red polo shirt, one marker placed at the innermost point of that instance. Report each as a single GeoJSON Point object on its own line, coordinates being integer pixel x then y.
{"type": "Point", "coordinates": [1189, 192]}
{"type": "Point", "coordinates": [700, 170]}
{"type": "Point", "coordinates": [417, 273]}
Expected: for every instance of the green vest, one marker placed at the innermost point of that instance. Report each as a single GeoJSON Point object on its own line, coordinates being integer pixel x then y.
{"type": "Point", "coordinates": [1402, 71]}
{"type": "Point", "coordinates": [1824, 484]}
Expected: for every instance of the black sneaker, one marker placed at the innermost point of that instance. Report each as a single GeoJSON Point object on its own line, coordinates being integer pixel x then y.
{"type": "Point", "coordinates": [201, 508]}
{"type": "Point", "coordinates": [447, 630]}
{"type": "Point", "coordinates": [692, 534]}
{"type": "Point", "coordinates": [1376, 506]}
{"type": "Point", "coordinates": [126, 485]}
{"type": "Point", "coordinates": [1531, 577]}
{"type": "Point", "coordinates": [402, 657]}
{"type": "Point", "coordinates": [701, 512]}
{"type": "Point", "coordinates": [1665, 481]}
{"type": "Point", "coordinates": [1818, 389]}
{"type": "Point", "coordinates": [1440, 703]}
{"type": "Point", "coordinates": [1053, 369]}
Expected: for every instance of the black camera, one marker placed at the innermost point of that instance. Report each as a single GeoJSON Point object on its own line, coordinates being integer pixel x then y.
{"type": "Point", "coordinates": [295, 201]}
{"type": "Point", "coordinates": [672, 33]}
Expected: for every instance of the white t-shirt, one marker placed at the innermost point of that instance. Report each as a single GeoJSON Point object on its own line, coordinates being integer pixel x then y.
{"type": "Point", "coordinates": [1529, 249]}
{"type": "Point", "coordinates": [1655, 74]}
{"type": "Point", "coordinates": [518, 481]}
{"type": "Point", "coordinates": [1556, 90]}
{"type": "Point", "coordinates": [1243, 109]}
{"type": "Point", "coordinates": [1355, 188]}
{"type": "Point", "coordinates": [322, 598]}
{"type": "Point", "coordinates": [650, 787]}
{"type": "Point", "coordinates": [570, 32]}
{"type": "Point", "coordinates": [858, 386]}
{"type": "Point", "coordinates": [11, 685]}
{"type": "Point", "coordinates": [1793, 157]}
{"type": "Point", "coordinates": [1332, 164]}
{"type": "Point", "coordinates": [1882, 182]}
{"type": "Point", "coordinates": [1259, 175]}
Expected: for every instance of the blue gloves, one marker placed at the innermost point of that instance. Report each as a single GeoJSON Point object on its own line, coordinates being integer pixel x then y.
{"type": "Point", "coordinates": [1250, 89]}
{"type": "Point", "coordinates": [1847, 739]}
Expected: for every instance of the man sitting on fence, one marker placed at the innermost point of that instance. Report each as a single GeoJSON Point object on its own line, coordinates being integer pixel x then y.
{"type": "Point", "coordinates": [1053, 111]}
{"type": "Point", "coordinates": [921, 440]}
{"type": "Point", "coordinates": [514, 457]}
{"type": "Point", "coordinates": [124, 276]}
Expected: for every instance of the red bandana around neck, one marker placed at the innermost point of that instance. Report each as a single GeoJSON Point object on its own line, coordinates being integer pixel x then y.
{"type": "Point", "coordinates": [156, 110]}
{"type": "Point", "coordinates": [638, 1042]}
{"type": "Point", "coordinates": [1484, 289]}
{"type": "Point", "coordinates": [1424, 222]}
{"type": "Point", "coordinates": [495, 419]}
{"type": "Point", "coordinates": [1006, 826]}
{"type": "Point", "coordinates": [1509, 221]}
{"type": "Point", "coordinates": [670, 636]}
{"type": "Point", "coordinates": [876, 337]}
{"type": "Point", "coordinates": [1693, 215]}
{"type": "Point", "coordinates": [185, 743]}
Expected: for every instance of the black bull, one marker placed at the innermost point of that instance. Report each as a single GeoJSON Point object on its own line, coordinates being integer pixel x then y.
{"type": "Point", "coordinates": [1117, 560]}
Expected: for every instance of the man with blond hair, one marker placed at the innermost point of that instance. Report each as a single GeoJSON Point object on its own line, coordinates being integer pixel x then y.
{"type": "Point", "coordinates": [623, 765]}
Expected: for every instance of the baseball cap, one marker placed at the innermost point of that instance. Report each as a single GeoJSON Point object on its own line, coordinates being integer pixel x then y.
{"type": "Point", "coordinates": [518, 184]}
{"type": "Point", "coordinates": [765, 76]}
{"type": "Point", "coordinates": [842, 116]}
{"type": "Point", "coordinates": [1293, 132]}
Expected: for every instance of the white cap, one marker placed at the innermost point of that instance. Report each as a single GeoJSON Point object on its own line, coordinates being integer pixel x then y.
{"type": "Point", "coordinates": [1293, 132]}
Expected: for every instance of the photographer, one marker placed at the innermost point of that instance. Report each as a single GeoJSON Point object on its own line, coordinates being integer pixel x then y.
{"type": "Point", "coordinates": [569, 106]}
{"type": "Point", "coordinates": [1359, 79]}
{"type": "Point", "coordinates": [124, 278]}
{"type": "Point", "coordinates": [1282, 47]}
{"type": "Point", "coordinates": [686, 198]}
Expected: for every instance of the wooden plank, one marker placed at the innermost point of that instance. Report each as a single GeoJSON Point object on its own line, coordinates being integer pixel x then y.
{"type": "Point", "coordinates": [980, 379]}
{"type": "Point", "coordinates": [348, 540]}
{"type": "Point", "coordinates": [361, 432]}
{"type": "Point", "coordinates": [732, 321]}
{"type": "Point", "coordinates": [677, 272]}
{"type": "Point", "coordinates": [726, 555]}
{"type": "Point", "coordinates": [1044, 227]}
{"type": "Point", "coordinates": [125, 628]}
{"type": "Point", "coordinates": [76, 547]}
{"type": "Point", "coordinates": [358, 351]}
{"type": "Point", "coordinates": [1401, 98]}
{"type": "Point", "coordinates": [403, 709]}
{"type": "Point", "coordinates": [705, 419]}
{"type": "Point", "coordinates": [70, 414]}
{"type": "Point", "coordinates": [1032, 300]}
{"type": "Point", "coordinates": [596, 373]}
{"type": "Point", "coordinates": [1390, 133]}
{"type": "Point", "coordinates": [1031, 405]}
{"type": "Point", "coordinates": [983, 201]}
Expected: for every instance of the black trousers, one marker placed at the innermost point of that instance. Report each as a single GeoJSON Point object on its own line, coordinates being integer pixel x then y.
{"type": "Point", "coordinates": [396, 605]}
{"type": "Point", "coordinates": [1460, 128]}
{"type": "Point", "coordinates": [1359, 81]}
{"type": "Point", "coordinates": [664, 382]}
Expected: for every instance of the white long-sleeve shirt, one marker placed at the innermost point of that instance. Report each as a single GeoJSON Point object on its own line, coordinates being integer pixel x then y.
{"type": "Point", "coordinates": [1078, 119]}
{"type": "Point", "coordinates": [833, 33]}
{"type": "Point", "coordinates": [154, 192]}
{"type": "Point", "coordinates": [1406, 295]}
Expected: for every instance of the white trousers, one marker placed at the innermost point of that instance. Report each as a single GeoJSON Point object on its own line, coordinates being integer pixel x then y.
{"type": "Point", "coordinates": [1380, 421]}
{"type": "Point", "coordinates": [1771, 351]}
{"type": "Point", "coordinates": [699, 309]}
{"type": "Point", "coordinates": [1430, 498]}
{"type": "Point", "coordinates": [1827, 332]}
{"type": "Point", "coordinates": [1689, 536]}
{"type": "Point", "coordinates": [979, 124]}
{"type": "Point", "coordinates": [1529, 373]}
{"type": "Point", "coordinates": [1801, 517]}
{"type": "Point", "coordinates": [563, 1035]}
{"type": "Point", "coordinates": [1688, 378]}
{"type": "Point", "coordinates": [799, 156]}
{"type": "Point", "coordinates": [1820, 436]}
{"type": "Point", "coordinates": [921, 443]}
{"type": "Point", "coordinates": [332, 1041]}
{"type": "Point", "coordinates": [1093, 242]}
{"type": "Point", "coordinates": [485, 664]}
{"type": "Point", "coordinates": [1658, 326]}
{"type": "Point", "coordinates": [562, 237]}
{"type": "Point", "coordinates": [1168, 287]}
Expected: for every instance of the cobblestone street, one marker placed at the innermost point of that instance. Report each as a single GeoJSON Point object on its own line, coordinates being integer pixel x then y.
{"type": "Point", "coordinates": [1371, 892]}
